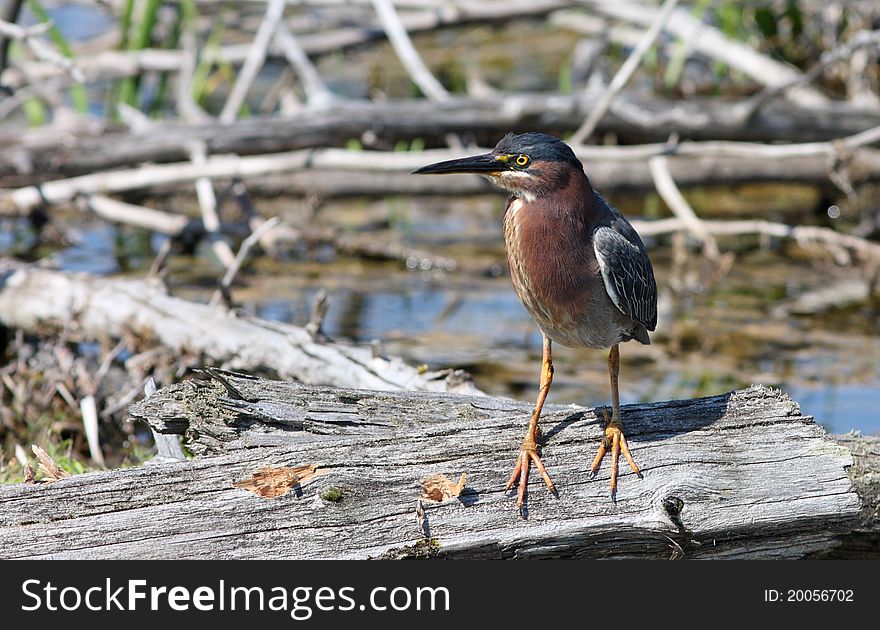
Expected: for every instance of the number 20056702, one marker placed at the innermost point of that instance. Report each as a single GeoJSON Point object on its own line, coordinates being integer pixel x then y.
{"type": "Point", "coordinates": [808, 595]}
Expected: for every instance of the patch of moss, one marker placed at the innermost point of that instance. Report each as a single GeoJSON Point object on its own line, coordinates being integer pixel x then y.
{"type": "Point", "coordinates": [422, 550]}
{"type": "Point", "coordinates": [333, 494]}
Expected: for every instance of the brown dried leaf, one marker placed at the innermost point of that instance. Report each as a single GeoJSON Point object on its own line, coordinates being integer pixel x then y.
{"type": "Point", "coordinates": [53, 471]}
{"type": "Point", "coordinates": [441, 488]}
{"type": "Point", "coordinates": [29, 475]}
{"type": "Point", "coordinates": [277, 481]}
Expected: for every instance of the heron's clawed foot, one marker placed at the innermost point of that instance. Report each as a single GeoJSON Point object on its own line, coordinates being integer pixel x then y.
{"type": "Point", "coordinates": [614, 440]}
{"type": "Point", "coordinates": [528, 453]}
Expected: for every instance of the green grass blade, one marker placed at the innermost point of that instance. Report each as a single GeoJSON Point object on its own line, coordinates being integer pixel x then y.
{"type": "Point", "coordinates": [143, 37]}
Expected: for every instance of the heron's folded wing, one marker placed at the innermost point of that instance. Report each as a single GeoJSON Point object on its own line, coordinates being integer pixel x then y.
{"type": "Point", "coordinates": [626, 271]}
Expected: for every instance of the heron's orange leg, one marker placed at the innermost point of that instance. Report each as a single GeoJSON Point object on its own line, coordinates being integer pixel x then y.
{"type": "Point", "coordinates": [528, 451]}
{"type": "Point", "coordinates": [613, 438]}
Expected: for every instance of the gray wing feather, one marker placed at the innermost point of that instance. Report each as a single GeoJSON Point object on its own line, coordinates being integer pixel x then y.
{"type": "Point", "coordinates": [626, 269]}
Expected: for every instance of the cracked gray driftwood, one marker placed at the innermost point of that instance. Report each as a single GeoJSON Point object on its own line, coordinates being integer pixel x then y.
{"type": "Point", "coordinates": [86, 306]}
{"type": "Point", "coordinates": [740, 475]}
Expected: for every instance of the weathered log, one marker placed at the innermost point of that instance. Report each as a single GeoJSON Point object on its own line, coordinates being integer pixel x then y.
{"type": "Point", "coordinates": [339, 172]}
{"type": "Point", "coordinates": [739, 475]}
{"type": "Point", "coordinates": [633, 118]}
{"type": "Point", "coordinates": [608, 173]}
{"type": "Point", "coordinates": [92, 307]}
{"type": "Point", "coordinates": [863, 542]}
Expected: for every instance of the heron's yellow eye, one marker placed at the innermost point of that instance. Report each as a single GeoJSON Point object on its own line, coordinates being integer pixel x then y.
{"type": "Point", "coordinates": [522, 160]}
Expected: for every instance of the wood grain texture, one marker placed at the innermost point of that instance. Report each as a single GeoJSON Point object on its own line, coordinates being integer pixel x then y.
{"type": "Point", "coordinates": [740, 475]}
{"type": "Point", "coordinates": [863, 541]}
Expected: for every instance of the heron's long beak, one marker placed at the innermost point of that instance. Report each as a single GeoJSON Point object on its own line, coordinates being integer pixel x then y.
{"type": "Point", "coordinates": [486, 163]}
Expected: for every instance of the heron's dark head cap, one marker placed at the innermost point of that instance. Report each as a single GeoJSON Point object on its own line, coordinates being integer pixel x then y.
{"type": "Point", "coordinates": [530, 165]}
{"type": "Point", "coordinates": [539, 147]}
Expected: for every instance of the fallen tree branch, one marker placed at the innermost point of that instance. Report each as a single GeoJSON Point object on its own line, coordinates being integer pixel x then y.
{"type": "Point", "coordinates": [150, 219]}
{"type": "Point", "coordinates": [91, 307]}
{"type": "Point", "coordinates": [223, 293]}
{"type": "Point", "coordinates": [208, 207]}
{"type": "Point", "coordinates": [407, 53]}
{"type": "Point", "coordinates": [617, 173]}
{"type": "Point", "coordinates": [110, 64]}
{"type": "Point", "coordinates": [178, 225]}
{"type": "Point", "coordinates": [317, 92]}
{"type": "Point", "coordinates": [254, 61]}
{"type": "Point", "coordinates": [30, 37]}
{"type": "Point", "coordinates": [633, 119]}
{"type": "Point", "coordinates": [11, 11]}
{"type": "Point", "coordinates": [624, 74]}
{"type": "Point", "coordinates": [843, 246]}
{"type": "Point", "coordinates": [688, 162]}
{"type": "Point", "coordinates": [710, 489]}
{"type": "Point", "coordinates": [670, 193]}
{"type": "Point", "coordinates": [863, 39]}
{"type": "Point", "coordinates": [709, 41]}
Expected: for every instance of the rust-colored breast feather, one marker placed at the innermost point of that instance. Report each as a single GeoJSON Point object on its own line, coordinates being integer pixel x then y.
{"type": "Point", "coordinates": [556, 275]}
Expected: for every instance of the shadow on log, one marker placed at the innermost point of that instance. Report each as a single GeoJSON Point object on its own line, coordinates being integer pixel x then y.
{"type": "Point", "coordinates": [739, 475]}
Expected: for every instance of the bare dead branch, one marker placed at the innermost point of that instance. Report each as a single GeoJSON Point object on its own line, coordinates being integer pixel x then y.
{"type": "Point", "coordinates": [319, 312]}
{"type": "Point", "coordinates": [317, 92]}
{"type": "Point", "coordinates": [680, 207]}
{"type": "Point", "coordinates": [407, 53]}
{"type": "Point", "coordinates": [30, 37]}
{"type": "Point", "coordinates": [254, 61]}
{"type": "Point", "coordinates": [805, 235]}
{"type": "Point", "coordinates": [113, 308]}
{"type": "Point", "coordinates": [735, 161]}
{"type": "Point", "coordinates": [229, 277]}
{"type": "Point", "coordinates": [709, 41]}
{"type": "Point", "coordinates": [863, 39]}
{"type": "Point", "coordinates": [89, 410]}
{"type": "Point", "coordinates": [208, 206]}
{"type": "Point", "coordinates": [91, 146]}
{"type": "Point", "coordinates": [137, 216]}
{"type": "Point", "coordinates": [625, 73]}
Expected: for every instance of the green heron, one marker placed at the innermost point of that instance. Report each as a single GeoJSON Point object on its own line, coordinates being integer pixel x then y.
{"type": "Point", "coordinates": [578, 266]}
